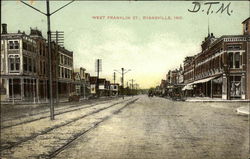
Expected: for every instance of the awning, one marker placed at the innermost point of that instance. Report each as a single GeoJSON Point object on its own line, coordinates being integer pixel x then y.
{"type": "Point", "coordinates": [204, 80]}
{"type": "Point", "coordinates": [187, 87]}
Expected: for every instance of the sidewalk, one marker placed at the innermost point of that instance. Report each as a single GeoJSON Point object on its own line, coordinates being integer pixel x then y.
{"type": "Point", "coordinates": [30, 106]}
{"type": "Point", "coordinates": [18, 102]}
{"type": "Point", "coordinates": [207, 99]}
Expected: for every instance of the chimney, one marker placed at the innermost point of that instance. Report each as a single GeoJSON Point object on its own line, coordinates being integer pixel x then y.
{"type": "Point", "coordinates": [4, 28]}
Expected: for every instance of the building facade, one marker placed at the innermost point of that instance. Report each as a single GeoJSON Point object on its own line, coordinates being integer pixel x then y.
{"type": "Point", "coordinates": [221, 69]}
{"type": "Point", "coordinates": [24, 67]}
{"type": "Point", "coordinates": [19, 67]}
{"type": "Point", "coordinates": [42, 62]}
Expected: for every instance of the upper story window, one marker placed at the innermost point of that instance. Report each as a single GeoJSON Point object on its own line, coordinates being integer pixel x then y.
{"type": "Point", "coordinates": [25, 63]}
{"type": "Point", "coordinates": [44, 68]}
{"type": "Point", "coordinates": [24, 45]}
{"type": "Point", "coordinates": [14, 63]}
{"type": "Point", "coordinates": [40, 49]}
{"type": "Point", "coordinates": [234, 47]}
{"type": "Point", "coordinates": [246, 27]}
{"type": "Point", "coordinates": [237, 60]}
{"type": "Point", "coordinates": [13, 44]}
{"type": "Point", "coordinates": [30, 64]}
{"type": "Point", "coordinates": [34, 66]}
{"type": "Point", "coordinates": [230, 58]}
{"type": "Point", "coordinates": [61, 59]}
{"type": "Point", "coordinates": [65, 60]}
{"type": "Point", "coordinates": [234, 60]}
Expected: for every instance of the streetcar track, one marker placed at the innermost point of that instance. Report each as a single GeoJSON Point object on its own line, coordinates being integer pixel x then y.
{"type": "Point", "coordinates": [43, 117]}
{"type": "Point", "coordinates": [25, 139]}
{"type": "Point", "coordinates": [60, 149]}
{"type": "Point", "coordinates": [58, 108]}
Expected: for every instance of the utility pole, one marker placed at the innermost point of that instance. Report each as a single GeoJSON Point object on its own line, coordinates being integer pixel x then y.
{"type": "Point", "coordinates": [48, 14]}
{"type": "Point", "coordinates": [58, 38]}
{"type": "Point", "coordinates": [98, 69]}
{"type": "Point", "coordinates": [123, 73]}
{"type": "Point", "coordinates": [97, 82]}
{"type": "Point", "coordinates": [52, 116]}
{"type": "Point", "coordinates": [114, 77]}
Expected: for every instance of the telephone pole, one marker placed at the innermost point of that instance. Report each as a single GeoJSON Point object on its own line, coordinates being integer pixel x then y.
{"type": "Point", "coordinates": [114, 77]}
{"type": "Point", "coordinates": [52, 116]}
{"type": "Point", "coordinates": [58, 38]}
{"type": "Point", "coordinates": [48, 14]}
{"type": "Point", "coordinates": [98, 69]}
{"type": "Point", "coordinates": [123, 73]}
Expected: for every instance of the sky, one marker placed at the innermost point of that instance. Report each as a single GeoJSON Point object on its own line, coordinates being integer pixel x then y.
{"type": "Point", "coordinates": [150, 48]}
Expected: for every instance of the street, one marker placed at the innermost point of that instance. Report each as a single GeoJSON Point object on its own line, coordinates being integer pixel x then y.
{"type": "Point", "coordinates": [137, 127]}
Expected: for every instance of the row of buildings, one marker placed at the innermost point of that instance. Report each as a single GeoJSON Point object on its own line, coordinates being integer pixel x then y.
{"type": "Point", "coordinates": [25, 70]}
{"type": "Point", "coordinates": [220, 70]}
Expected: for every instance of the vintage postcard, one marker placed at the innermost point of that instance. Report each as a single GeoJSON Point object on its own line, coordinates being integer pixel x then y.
{"type": "Point", "coordinates": [125, 79]}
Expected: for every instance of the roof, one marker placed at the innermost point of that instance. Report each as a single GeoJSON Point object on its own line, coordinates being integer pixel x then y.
{"type": "Point", "coordinates": [35, 32]}
{"type": "Point", "coordinates": [246, 20]}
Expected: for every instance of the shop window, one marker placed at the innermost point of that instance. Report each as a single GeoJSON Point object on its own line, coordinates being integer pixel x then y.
{"type": "Point", "coordinates": [14, 88]}
{"type": "Point", "coordinates": [235, 86]}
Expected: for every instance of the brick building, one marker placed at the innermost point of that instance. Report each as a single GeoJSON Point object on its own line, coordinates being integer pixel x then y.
{"type": "Point", "coordinates": [24, 67]}
{"type": "Point", "coordinates": [42, 63]}
{"type": "Point", "coordinates": [62, 68]}
{"type": "Point", "coordinates": [221, 69]}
